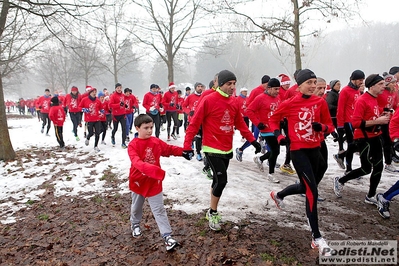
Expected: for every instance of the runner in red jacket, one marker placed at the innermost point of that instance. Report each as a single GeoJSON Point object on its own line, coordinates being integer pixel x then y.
{"type": "Point", "coordinates": [118, 106]}
{"type": "Point", "coordinates": [72, 102]}
{"type": "Point", "coordinates": [57, 115]}
{"type": "Point", "coordinates": [219, 114]}
{"type": "Point", "coordinates": [308, 120]}
{"type": "Point", "coordinates": [44, 104]}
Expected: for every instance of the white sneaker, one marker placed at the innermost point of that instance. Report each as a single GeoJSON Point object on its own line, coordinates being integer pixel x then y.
{"type": "Point", "coordinates": [87, 142]}
{"type": "Point", "coordinates": [170, 243]}
{"type": "Point", "coordinates": [371, 200]}
{"type": "Point", "coordinates": [96, 149]}
{"type": "Point", "coordinates": [279, 202]}
{"type": "Point", "coordinates": [321, 244]}
{"type": "Point", "coordinates": [390, 168]}
{"type": "Point", "coordinates": [272, 178]}
{"type": "Point", "coordinates": [103, 143]}
{"type": "Point", "coordinates": [337, 186]}
{"type": "Point", "coordinates": [136, 231]}
{"type": "Point", "coordinates": [259, 163]}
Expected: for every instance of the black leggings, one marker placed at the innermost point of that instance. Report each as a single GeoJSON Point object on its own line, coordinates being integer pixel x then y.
{"type": "Point", "coordinates": [119, 119]}
{"type": "Point", "coordinates": [271, 155]}
{"type": "Point", "coordinates": [94, 128]}
{"type": "Point", "coordinates": [76, 118]}
{"type": "Point", "coordinates": [104, 127]}
{"type": "Point", "coordinates": [169, 116]}
{"type": "Point", "coordinates": [46, 120]}
{"type": "Point", "coordinates": [59, 136]}
{"type": "Point", "coordinates": [370, 162]}
{"type": "Point", "coordinates": [386, 144]}
{"type": "Point", "coordinates": [310, 167]}
{"type": "Point", "coordinates": [157, 122]}
{"type": "Point", "coordinates": [219, 164]}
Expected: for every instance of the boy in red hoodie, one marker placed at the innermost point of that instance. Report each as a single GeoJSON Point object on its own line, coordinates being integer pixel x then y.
{"type": "Point", "coordinates": [57, 116]}
{"type": "Point", "coordinates": [146, 175]}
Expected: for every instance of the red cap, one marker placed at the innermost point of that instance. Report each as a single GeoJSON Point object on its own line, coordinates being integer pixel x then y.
{"type": "Point", "coordinates": [284, 79]}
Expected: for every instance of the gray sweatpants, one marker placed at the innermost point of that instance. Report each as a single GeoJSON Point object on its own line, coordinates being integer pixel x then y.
{"type": "Point", "coordinates": [157, 208]}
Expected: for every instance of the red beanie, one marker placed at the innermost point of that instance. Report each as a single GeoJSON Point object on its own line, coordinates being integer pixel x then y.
{"type": "Point", "coordinates": [74, 88]}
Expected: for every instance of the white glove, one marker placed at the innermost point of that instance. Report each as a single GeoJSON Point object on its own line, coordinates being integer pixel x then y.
{"type": "Point", "coordinates": [161, 110]}
{"type": "Point", "coordinates": [152, 108]}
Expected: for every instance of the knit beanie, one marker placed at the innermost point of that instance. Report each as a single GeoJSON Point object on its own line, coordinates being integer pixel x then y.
{"type": "Point", "coordinates": [74, 88]}
{"type": "Point", "coordinates": [357, 74]}
{"type": "Point", "coordinates": [333, 82]}
{"type": "Point", "coordinates": [225, 76]}
{"type": "Point", "coordinates": [304, 75]}
{"type": "Point", "coordinates": [265, 79]}
{"type": "Point", "coordinates": [118, 85]}
{"type": "Point", "coordinates": [55, 101]}
{"type": "Point", "coordinates": [273, 82]}
{"type": "Point", "coordinates": [372, 80]}
{"type": "Point", "coordinates": [394, 70]}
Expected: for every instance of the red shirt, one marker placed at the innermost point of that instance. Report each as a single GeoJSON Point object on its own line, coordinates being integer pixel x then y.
{"type": "Point", "coordinates": [170, 98]}
{"type": "Point", "coordinates": [242, 102]}
{"type": "Point", "coordinates": [394, 126]}
{"type": "Point", "coordinates": [191, 103]}
{"type": "Point", "coordinates": [146, 175]}
{"type": "Point", "coordinates": [261, 109]}
{"type": "Point", "coordinates": [115, 101]}
{"type": "Point", "coordinates": [291, 92]}
{"type": "Point", "coordinates": [387, 99]}
{"type": "Point", "coordinates": [94, 107]}
{"type": "Point", "coordinates": [346, 104]}
{"type": "Point", "coordinates": [44, 104]}
{"type": "Point", "coordinates": [366, 108]}
{"type": "Point", "coordinates": [218, 114]}
{"type": "Point", "coordinates": [57, 115]}
{"type": "Point", "coordinates": [72, 103]}
{"type": "Point", "coordinates": [130, 101]}
{"type": "Point", "coordinates": [151, 100]}
{"type": "Point", "coordinates": [301, 112]}
{"type": "Point", "coordinates": [255, 92]}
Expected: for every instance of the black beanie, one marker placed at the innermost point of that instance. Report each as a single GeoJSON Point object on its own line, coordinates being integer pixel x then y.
{"type": "Point", "coordinates": [357, 74]}
{"type": "Point", "coordinates": [265, 79]}
{"type": "Point", "coordinates": [273, 82]}
{"type": "Point", "coordinates": [372, 80]}
{"type": "Point", "coordinates": [394, 70]}
{"type": "Point", "coordinates": [304, 75]}
{"type": "Point", "coordinates": [55, 101]}
{"type": "Point", "coordinates": [118, 85]}
{"type": "Point", "coordinates": [225, 76]}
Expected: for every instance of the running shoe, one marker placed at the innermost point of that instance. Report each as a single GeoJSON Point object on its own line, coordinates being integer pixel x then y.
{"type": "Point", "coordinates": [390, 168]}
{"type": "Point", "coordinates": [340, 161]}
{"type": "Point", "coordinates": [337, 186]}
{"type": "Point", "coordinates": [136, 231]}
{"type": "Point", "coordinates": [214, 220]}
{"type": "Point", "coordinates": [259, 163]}
{"type": "Point", "coordinates": [279, 202]}
{"type": "Point", "coordinates": [239, 155]}
{"type": "Point", "coordinates": [383, 206]}
{"type": "Point", "coordinates": [272, 178]}
{"type": "Point", "coordinates": [321, 244]}
{"type": "Point", "coordinates": [371, 200]}
{"type": "Point", "coordinates": [286, 168]}
{"type": "Point", "coordinates": [173, 136]}
{"type": "Point", "coordinates": [170, 243]}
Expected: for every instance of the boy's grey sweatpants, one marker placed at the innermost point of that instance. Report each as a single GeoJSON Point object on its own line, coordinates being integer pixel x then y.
{"type": "Point", "coordinates": [157, 208]}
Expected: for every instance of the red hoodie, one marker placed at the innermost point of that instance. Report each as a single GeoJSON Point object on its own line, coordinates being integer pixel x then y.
{"type": "Point", "coordinates": [94, 107]}
{"type": "Point", "coordinates": [218, 114]}
{"type": "Point", "coordinates": [44, 104]}
{"type": "Point", "coordinates": [57, 115]}
{"type": "Point", "coordinates": [146, 175]}
{"type": "Point", "coordinates": [72, 103]}
{"type": "Point", "coordinates": [261, 109]}
{"type": "Point", "coordinates": [300, 113]}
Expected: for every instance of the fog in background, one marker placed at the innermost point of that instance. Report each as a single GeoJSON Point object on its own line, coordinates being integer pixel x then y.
{"type": "Point", "coordinates": [330, 54]}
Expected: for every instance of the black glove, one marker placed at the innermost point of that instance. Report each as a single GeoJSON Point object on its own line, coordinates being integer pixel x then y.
{"type": "Point", "coordinates": [178, 106]}
{"type": "Point", "coordinates": [126, 106]}
{"type": "Point", "coordinates": [172, 104]}
{"type": "Point", "coordinates": [335, 136]}
{"type": "Point", "coordinates": [188, 155]}
{"type": "Point", "coordinates": [257, 146]}
{"type": "Point", "coordinates": [261, 126]}
{"type": "Point", "coordinates": [283, 142]}
{"type": "Point", "coordinates": [276, 133]}
{"type": "Point", "coordinates": [122, 104]}
{"type": "Point", "coordinates": [317, 126]}
{"type": "Point", "coordinates": [191, 113]}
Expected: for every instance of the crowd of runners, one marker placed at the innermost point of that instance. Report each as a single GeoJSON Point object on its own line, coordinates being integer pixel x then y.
{"type": "Point", "coordinates": [298, 114]}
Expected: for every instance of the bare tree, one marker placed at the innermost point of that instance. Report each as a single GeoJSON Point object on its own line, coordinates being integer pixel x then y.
{"type": "Point", "coordinates": [166, 27]}
{"type": "Point", "coordinates": [292, 25]}
{"type": "Point", "coordinates": [114, 27]}
{"type": "Point", "coordinates": [30, 18]}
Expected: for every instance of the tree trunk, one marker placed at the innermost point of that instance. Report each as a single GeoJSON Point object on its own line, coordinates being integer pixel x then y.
{"type": "Point", "coordinates": [6, 150]}
{"type": "Point", "coordinates": [297, 36]}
